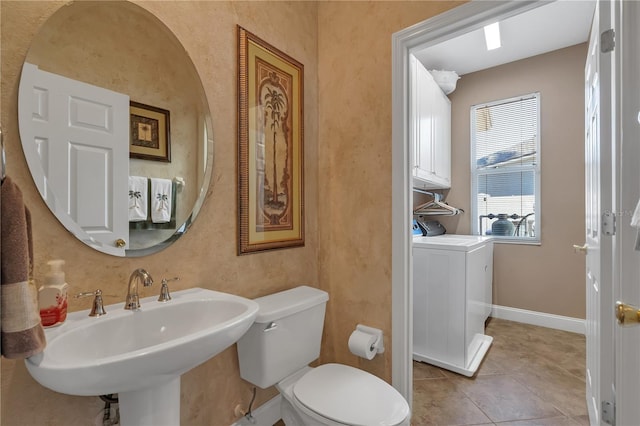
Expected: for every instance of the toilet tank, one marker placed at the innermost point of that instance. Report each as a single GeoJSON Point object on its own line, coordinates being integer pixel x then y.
{"type": "Point", "coordinates": [285, 336]}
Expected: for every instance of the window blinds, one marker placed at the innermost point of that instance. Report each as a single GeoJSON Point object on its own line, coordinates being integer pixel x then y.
{"type": "Point", "coordinates": [505, 165]}
{"type": "Point", "coordinates": [506, 133]}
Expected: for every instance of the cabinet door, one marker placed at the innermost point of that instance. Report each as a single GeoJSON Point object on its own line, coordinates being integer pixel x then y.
{"type": "Point", "coordinates": [431, 130]}
{"type": "Point", "coordinates": [441, 139]}
{"type": "Point", "coordinates": [423, 106]}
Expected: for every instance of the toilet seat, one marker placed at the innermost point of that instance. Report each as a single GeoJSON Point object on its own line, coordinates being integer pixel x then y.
{"type": "Point", "coordinates": [349, 396]}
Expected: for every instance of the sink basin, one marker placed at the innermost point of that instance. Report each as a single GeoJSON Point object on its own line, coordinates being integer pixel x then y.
{"type": "Point", "coordinates": [133, 353]}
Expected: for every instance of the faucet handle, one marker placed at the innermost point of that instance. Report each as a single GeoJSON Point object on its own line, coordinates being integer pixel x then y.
{"type": "Point", "coordinates": [98, 307]}
{"type": "Point", "coordinates": [164, 290]}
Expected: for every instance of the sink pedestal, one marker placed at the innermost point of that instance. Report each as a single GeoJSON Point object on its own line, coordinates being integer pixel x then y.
{"type": "Point", "coordinates": [158, 405]}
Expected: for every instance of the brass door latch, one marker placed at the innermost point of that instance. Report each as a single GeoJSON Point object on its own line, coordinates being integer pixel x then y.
{"type": "Point", "coordinates": [627, 314]}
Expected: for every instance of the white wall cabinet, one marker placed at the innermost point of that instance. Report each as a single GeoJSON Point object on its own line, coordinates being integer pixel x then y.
{"type": "Point", "coordinates": [430, 130]}
{"type": "Point", "coordinates": [452, 281]}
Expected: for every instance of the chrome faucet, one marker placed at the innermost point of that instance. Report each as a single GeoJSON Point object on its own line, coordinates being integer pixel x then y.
{"type": "Point", "coordinates": [165, 296]}
{"type": "Point", "coordinates": [98, 307]}
{"type": "Point", "coordinates": [133, 301]}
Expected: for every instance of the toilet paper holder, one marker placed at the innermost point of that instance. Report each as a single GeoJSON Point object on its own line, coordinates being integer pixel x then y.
{"type": "Point", "coordinates": [378, 345]}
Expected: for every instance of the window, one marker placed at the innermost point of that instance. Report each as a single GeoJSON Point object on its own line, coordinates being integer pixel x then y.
{"type": "Point", "coordinates": [505, 169]}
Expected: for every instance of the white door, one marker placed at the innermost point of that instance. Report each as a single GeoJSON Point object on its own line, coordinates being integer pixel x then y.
{"type": "Point", "coordinates": [598, 250]}
{"type": "Point", "coordinates": [77, 148]}
{"type": "Point", "coordinates": [612, 132]}
{"type": "Point", "coordinates": [627, 271]}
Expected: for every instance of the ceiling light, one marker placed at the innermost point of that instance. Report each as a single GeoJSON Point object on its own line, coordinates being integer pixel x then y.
{"type": "Point", "coordinates": [492, 36]}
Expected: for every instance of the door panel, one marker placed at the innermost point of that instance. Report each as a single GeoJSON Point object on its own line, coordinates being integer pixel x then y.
{"type": "Point", "coordinates": [85, 161]}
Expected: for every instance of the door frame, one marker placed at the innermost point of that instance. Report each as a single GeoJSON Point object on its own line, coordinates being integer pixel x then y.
{"type": "Point", "coordinates": [450, 24]}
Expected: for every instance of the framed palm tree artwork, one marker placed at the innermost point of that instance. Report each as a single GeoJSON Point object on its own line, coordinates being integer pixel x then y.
{"type": "Point", "coordinates": [270, 147]}
{"type": "Point", "coordinates": [150, 133]}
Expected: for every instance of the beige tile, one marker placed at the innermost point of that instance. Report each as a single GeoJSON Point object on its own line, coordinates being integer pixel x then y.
{"type": "Point", "coordinates": [582, 420]}
{"type": "Point", "coordinates": [530, 376]}
{"type": "Point", "coordinates": [502, 398]}
{"type": "Point", "coordinates": [501, 360]}
{"type": "Point", "coordinates": [565, 391]}
{"type": "Point", "coordinates": [423, 370]}
{"type": "Point", "coordinates": [438, 402]}
{"type": "Point", "coordinates": [517, 345]}
{"type": "Point", "coordinates": [436, 389]}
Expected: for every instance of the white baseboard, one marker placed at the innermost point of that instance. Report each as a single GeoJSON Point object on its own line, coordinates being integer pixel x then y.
{"type": "Point", "coordinates": [559, 322]}
{"type": "Point", "coordinates": [265, 415]}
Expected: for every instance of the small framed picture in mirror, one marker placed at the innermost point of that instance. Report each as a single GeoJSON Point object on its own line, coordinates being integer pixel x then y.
{"type": "Point", "coordinates": [150, 136]}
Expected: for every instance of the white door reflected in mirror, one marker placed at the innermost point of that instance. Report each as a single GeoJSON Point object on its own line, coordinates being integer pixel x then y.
{"type": "Point", "coordinates": [75, 138]}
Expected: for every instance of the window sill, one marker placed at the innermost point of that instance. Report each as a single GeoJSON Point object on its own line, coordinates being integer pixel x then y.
{"type": "Point", "coordinates": [501, 240]}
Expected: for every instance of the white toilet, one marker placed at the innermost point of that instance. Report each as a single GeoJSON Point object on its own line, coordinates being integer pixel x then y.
{"type": "Point", "coordinates": [281, 343]}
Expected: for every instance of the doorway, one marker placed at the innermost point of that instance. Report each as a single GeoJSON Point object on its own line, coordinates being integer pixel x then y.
{"type": "Point", "coordinates": [449, 25]}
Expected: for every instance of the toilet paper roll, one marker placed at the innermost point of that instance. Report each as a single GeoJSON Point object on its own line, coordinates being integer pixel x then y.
{"type": "Point", "coordinates": [362, 344]}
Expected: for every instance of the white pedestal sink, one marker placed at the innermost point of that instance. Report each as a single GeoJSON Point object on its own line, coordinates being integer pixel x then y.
{"type": "Point", "coordinates": [140, 355]}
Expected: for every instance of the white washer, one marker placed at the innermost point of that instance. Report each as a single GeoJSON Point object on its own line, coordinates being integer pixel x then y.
{"type": "Point", "coordinates": [452, 298]}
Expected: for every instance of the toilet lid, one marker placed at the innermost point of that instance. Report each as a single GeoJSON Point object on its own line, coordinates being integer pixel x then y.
{"type": "Point", "coordinates": [350, 396]}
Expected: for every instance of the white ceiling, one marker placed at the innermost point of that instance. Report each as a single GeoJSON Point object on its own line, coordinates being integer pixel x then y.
{"type": "Point", "coordinates": [553, 26]}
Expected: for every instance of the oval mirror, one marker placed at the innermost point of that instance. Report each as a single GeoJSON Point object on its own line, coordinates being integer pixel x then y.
{"type": "Point", "coordinates": [115, 127]}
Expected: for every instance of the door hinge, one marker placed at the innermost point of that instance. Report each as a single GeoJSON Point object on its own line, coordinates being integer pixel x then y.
{"type": "Point", "coordinates": [608, 41]}
{"type": "Point", "coordinates": [609, 223]}
{"type": "Point", "coordinates": [608, 412]}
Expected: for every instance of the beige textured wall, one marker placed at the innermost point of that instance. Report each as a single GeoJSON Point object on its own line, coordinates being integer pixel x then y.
{"type": "Point", "coordinates": [551, 277]}
{"type": "Point", "coordinates": [206, 255]}
{"type": "Point", "coordinates": [354, 48]}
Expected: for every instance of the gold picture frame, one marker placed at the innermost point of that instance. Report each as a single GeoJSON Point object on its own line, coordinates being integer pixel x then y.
{"type": "Point", "coordinates": [150, 133]}
{"type": "Point", "coordinates": [270, 147]}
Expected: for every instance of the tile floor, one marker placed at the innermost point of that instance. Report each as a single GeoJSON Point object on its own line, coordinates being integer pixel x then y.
{"type": "Point", "coordinates": [531, 376]}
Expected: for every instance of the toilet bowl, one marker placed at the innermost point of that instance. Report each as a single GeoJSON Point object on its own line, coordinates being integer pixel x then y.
{"type": "Point", "coordinates": [281, 343]}
{"type": "Point", "coordinates": [336, 394]}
